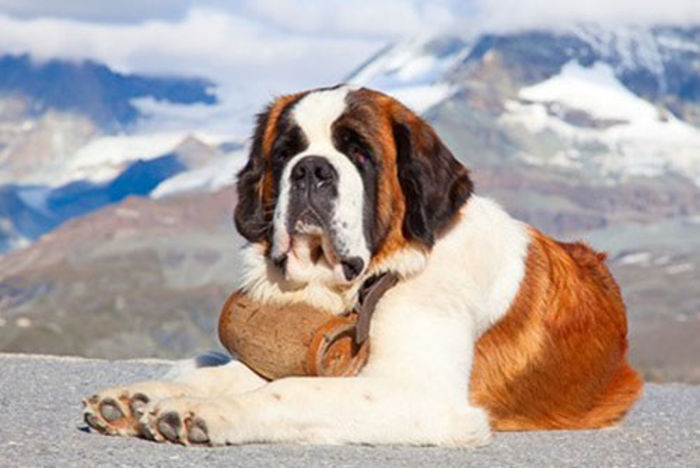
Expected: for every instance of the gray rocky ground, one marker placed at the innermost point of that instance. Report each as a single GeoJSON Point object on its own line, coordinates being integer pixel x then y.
{"type": "Point", "coordinates": [41, 426]}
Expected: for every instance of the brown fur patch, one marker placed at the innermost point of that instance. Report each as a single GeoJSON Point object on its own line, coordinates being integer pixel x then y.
{"type": "Point", "coordinates": [267, 186]}
{"type": "Point", "coordinates": [391, 204]}
{"type": "Point", "coordinates": [557, 359]}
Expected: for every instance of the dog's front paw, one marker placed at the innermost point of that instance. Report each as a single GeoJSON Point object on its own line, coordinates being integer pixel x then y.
{"type": "Point", "coordinates": [117, 411]}
{"type": "Point", "coordinates": [186, 421]}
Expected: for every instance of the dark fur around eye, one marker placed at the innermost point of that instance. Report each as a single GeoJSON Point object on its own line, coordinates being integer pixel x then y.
{"type": "Point", "coordinates": [352, 145]}
{"type": "Point", "coordinates": [286, 146]}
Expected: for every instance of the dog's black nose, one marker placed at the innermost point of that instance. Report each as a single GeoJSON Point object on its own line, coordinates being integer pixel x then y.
{"type": "Point", "coordinates": [314, 172]}
{"type": "Point", "coordinates": [352, 267]}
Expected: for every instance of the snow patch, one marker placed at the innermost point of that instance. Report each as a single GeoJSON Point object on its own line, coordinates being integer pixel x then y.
{"type": "Point", "coordinates": [628, 47]}
{"type": "Point", "coordinates": [213, 176]}
{"type": "Point", "coordinates": [23, 322]}
{"type": "Point", "coordinates": [680, 268]}
{"type": "Point", "coordinates": [594, 90]}
{"type": "Point", "coordinates": [662, 260]}
{"type": "Point", "coordinates": [634, 140]}
{"type": "Point", "coordinates": [636, 258]}
{"type": "Point", "coordinates": [409, 72]}
{"type": "Point", "coordinates": [421, 98]}
{"type": "Point", "coordinates": [103, 158]}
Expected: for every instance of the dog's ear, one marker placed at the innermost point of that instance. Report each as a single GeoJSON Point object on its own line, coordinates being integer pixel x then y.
{"type": "Point", "coordinates": [249, 215]}
{"type": "Point", "coordinates": [434, 183]}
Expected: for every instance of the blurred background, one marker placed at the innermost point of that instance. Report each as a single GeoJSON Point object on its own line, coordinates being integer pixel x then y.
{"type": "Point", "coordinates": [122, 125]}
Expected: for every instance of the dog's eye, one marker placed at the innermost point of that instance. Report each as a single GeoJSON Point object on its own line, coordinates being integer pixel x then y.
{"type": "Point", "coordinates": [346, 136]}
{"type": "Point", "coordinates": [282, 154]}
{"type": "Point", "coordinates": [352, 145]}
{"type": "Point", "coordinates": [357, 153]}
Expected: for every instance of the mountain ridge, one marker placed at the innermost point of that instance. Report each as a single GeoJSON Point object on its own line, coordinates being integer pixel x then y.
{"type": "Point", "coordinates": [93, 89]}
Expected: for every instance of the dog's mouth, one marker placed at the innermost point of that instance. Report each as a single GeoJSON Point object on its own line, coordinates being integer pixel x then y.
{"type": "Point", "coordinates": [310, 247]}
{"type": "Point", "coordinates": [311, 241]}
{"type": "Point", "coordinates": [313, 248]}
{"type": "Point", "coordinates": [311, 253]}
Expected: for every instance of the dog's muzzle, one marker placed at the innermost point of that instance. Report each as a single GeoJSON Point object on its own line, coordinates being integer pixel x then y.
{"type": "Point", "coordinates": [313, 197]}
{"type": "Point", "coordinates": [313, 189]}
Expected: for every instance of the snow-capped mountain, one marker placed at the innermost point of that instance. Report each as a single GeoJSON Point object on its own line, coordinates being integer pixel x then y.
{"type": "Point", "coordinates": [62, 121]}
{"type": "Point", "coordinates": [71, 143]}
{"type": "Point", "coordinates": [146, 167]}
{"type": "Point", "coordinates": [614, 104]}
{"type": "Point", "coordinates": [92, 89]}
{"type": "Point", "coordinates": [583, 131]}
{"type": "Point", "coordinates": [413, 71]}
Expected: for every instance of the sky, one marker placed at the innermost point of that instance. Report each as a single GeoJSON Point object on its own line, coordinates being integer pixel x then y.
{"type": "Point", "coordinates": [257, 49]}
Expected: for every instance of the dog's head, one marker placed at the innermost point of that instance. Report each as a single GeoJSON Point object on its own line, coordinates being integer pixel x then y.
{"type": "Point", "coordinates": [339, 179]}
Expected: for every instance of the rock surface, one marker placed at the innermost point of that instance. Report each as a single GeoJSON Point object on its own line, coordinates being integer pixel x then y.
{"type": "Point", "coordinates": [41, 425]}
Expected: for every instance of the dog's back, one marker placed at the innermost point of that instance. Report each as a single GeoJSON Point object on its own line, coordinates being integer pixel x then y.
{"type": "Point", "coordinates": [557, 360]}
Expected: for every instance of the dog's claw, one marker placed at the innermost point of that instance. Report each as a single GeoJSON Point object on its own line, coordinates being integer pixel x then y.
{"type": "Point", "coordinates": [94, 422]}
{"type": "Point", "coordinates": [138, 404]}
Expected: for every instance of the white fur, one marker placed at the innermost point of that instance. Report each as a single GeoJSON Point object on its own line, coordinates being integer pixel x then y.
{"type": "Point", "coordinates": [405, 263]}
{"type": "Point", "coordinates": [430, 322]}
{"type": "Point", "coordinates": [263, 282]}
{"type": "Point", "coordinates": [414, 388]}
{"type": "Point", "coordinates": [315, 115]}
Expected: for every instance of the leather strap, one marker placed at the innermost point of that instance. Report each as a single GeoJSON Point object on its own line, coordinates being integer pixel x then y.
{"type": "Point", "coordinates": [371, 291]}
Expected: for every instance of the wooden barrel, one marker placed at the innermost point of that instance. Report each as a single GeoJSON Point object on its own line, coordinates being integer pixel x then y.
{"type": "Point", "coordinates": [291, 340]}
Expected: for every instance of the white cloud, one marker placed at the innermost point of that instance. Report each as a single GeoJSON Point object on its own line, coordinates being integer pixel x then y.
{"type": "Point", "coordinates": [382, 18]}
{"type": "Point", "coordinates": [255, 49]}
{"type": "Point", "coordinates": [204, 41]}
{"type": "Point", "coordinates": [252, 49]}
{"type": "Point", "coordinates": [92, 10]}
{"type": "Point", "coordinates": [281, 41]}
{"type": "Point", "coordinates": [509, 14]}
{"type": "Point", "coordinates": [250, 61]}
{"type": "Point", "coordinates": [376, 18]}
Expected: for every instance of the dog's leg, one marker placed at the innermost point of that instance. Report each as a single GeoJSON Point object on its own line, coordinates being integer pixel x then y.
{"type": "Point", "coordinates": [413, 390]}
{"type": "Point", "coordinates": [364, 410]}
{"type": "Point", "coordinates": [116, 411]}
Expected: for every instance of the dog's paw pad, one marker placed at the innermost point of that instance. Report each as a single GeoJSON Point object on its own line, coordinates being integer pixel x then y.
{"type": "Point", "coordinates": [197, 432]}
{"type": "Point", "coordinates": [110, 410]}
{"type": "Point", "coordinates": [170, 426]}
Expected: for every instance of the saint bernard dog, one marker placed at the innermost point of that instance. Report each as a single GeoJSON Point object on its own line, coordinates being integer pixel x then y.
{"type": "Point", "coordinates": [491, 326]}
